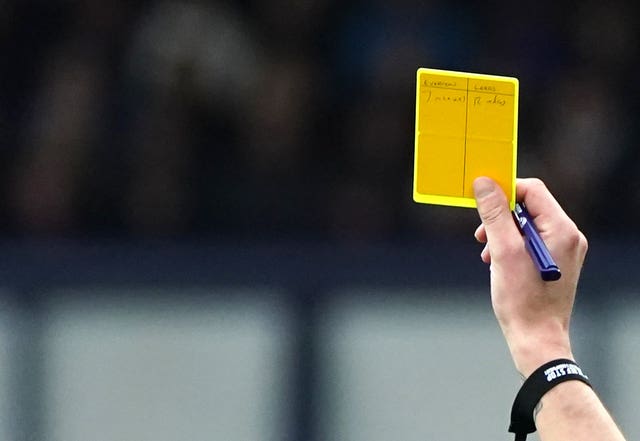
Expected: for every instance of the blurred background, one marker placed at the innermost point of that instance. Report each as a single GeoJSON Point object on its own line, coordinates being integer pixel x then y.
{"type": "Point", "coordinates": [208, 231]}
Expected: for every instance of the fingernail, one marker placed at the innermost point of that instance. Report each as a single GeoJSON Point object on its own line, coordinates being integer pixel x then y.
{"type": "Point", "coordinates": [483, 187]}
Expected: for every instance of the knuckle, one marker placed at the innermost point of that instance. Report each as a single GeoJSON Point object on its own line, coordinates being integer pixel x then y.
{"type": "Point", "coordinates": [573, 239]}
{"type": "Point", "coordinates": [537, 182]}
{"type": "Point", "coordinates": [538, 186]}
{"type": "Point", "coordinates": [583, 244]}
{"type": "Point", "coordinates": [490, 214]}
{"type": "Point", "coordinates": [506, 251]}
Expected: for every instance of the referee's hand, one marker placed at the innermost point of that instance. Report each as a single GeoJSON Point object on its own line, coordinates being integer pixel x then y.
{"type": "Point", "coordinates": [533, 314]}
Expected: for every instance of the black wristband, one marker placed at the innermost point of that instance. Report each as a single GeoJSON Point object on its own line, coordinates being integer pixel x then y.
{"type": "Point", "coordinates": [539, 383]}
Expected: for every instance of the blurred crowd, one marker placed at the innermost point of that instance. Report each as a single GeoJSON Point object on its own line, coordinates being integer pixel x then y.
{"type": "Point", "coordinates": [295, 119]}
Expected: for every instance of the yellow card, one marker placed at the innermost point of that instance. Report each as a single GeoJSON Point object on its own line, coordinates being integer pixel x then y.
{"type": "Point", "coordinates": [466, 127]}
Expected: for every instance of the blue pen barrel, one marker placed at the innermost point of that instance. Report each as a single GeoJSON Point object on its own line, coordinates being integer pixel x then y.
{"type": "Point", "coordinates": [539, 252]}
{"type": "Point", "coordinates": [548, 269]}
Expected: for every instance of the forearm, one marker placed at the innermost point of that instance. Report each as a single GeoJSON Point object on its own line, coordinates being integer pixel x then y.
{"type": "Point", "coordinates": [573, 411]}
{"type": "Point", "coordinates": [534, 315]}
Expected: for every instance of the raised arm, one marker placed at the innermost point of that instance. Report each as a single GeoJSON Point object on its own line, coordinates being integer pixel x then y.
{"type": "Point", "coordinates": [534, 315]}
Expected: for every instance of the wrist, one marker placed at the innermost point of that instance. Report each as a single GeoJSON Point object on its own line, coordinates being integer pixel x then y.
{"type": "Point", "coordinates": [526, 364]}
{"type": "Point", "coordinates": [532, 352]}
{"type": "Point", "coordinates": [569, 399]}
{"type": "Point", "coordinates": [542, 381]}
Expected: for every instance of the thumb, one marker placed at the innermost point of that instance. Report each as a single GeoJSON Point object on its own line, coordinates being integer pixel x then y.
{"type": "Point", "coordinates": [494, 212]}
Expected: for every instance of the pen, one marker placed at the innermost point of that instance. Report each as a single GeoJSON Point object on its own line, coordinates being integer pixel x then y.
{"type": "Point", "coordinates": [537, 249]}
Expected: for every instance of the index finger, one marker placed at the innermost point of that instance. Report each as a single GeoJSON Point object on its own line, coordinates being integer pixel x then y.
{"type": "Point", "coordinates": [540, 203]}
{"type": "Point", "coordinates": [537, 197]}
